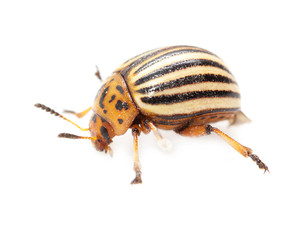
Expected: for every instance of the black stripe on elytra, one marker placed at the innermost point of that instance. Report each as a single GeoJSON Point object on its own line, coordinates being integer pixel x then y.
{"type": "Point", "coordinates": [181, 97]}
{"type": "Point", "coordinates": [191, 79]}
{"type": "Point", "coordinates": [144, 53]}
{"type": "Point", "coordinates": [135, 63]}
{"type": "Point", "coordinates": [170, 54]}
{"type": "Point", "coordinates": [190, 115]}
{"type": "Point", "coordinates": [104, 93]}
{"type": "Point", "coordinates": [179, 66]}
{"type": "Point", "coordinates": [104, 133]}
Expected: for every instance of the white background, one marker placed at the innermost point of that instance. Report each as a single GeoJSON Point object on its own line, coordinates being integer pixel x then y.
{"type": "Point", "coordinates": [53, 188]}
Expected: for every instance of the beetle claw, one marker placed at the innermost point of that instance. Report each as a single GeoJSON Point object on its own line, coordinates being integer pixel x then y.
{"type": "Point", "coordinates": [138, 179]}
{"type": "Point", "coordinates": [109, 150]}
{"type": "Point", "coordinates": [260, 164]}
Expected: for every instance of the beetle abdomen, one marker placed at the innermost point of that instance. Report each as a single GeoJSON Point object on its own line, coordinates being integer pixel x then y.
{"type": "Point", "coordinates": [176, 83]}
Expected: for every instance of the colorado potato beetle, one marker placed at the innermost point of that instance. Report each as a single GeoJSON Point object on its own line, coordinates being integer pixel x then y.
{"type": "Point", "coordinates": [180, 88]}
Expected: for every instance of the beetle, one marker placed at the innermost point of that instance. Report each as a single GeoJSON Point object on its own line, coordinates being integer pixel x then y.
{"type": "Point", "coordinates": [180, 88]}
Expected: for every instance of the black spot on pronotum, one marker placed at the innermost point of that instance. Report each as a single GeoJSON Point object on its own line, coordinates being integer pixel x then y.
{"type": "Point", "coordinates": [120, 89]}
{"type": "Point", "coordinates": [104, 133]}
{"type": "Point", "coordinates": [120, 120]}
{"type": "Point", "coordinates": [104, 93]}
{"type": "Point", "coordinates": [120, 105]}
{"type": "Point", "coordinates": [112, 98]}
{"type": "Point", "coordinates": [94, 118]}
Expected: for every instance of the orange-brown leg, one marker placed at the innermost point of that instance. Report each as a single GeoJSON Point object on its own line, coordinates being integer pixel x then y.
{"type": "Point", "coordinates": [208, 129]}
{"type": "Point", "coordinates": [80, 114]}
{"type": "Point", "coordinates": [163, 143]}
{"type": "Point", "coordinates": [137, 166]}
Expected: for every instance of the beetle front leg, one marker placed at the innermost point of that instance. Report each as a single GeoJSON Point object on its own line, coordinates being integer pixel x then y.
{"type": "Point", "coordinates": [137, 166]}
{"type": "Point", "coordinates": [163, 143]}
{"type": "Point", "coordinates": [80, 114]}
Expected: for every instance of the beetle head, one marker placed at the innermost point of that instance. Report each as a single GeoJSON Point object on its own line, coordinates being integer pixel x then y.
{"type": "Point", "coordinates": [101, 132]}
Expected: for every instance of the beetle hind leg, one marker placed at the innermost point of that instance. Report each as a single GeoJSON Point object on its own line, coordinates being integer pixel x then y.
{"type": "Point", "coordinates": [202, 130]}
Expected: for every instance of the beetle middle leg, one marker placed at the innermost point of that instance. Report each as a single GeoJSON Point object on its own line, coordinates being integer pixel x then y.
{"type": "Point", "coordinates": [202, 130]}
{"type": "Point", "coordinates": [137, 167]}
{"type": "Point", "coordinates": [163, 143]}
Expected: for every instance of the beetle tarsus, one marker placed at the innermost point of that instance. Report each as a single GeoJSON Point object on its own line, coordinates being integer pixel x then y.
{"type": "Point", "coordinates": [109, 150]}
{"type": "Point", "coordinates": [260, 164]}
{"type": "Point", "coordinates": [138, 179]}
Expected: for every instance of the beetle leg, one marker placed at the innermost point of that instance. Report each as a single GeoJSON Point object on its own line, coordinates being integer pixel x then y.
{"type": "Point", "coordinates": [202, 130]}
{"type": "Point", "coordinates": [164, 143]}
{"type": "Point", "coordinates": [80, 114]}
{"type": "Point", "coordinates": [109, 150]}
{"type": "Point", "coordinates": [137, 166]}
{"type": "Point", "coordinates": [154, 129]}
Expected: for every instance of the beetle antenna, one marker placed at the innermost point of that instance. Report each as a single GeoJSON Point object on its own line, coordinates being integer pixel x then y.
{"type": "Point", "coordinates": [72, 136]}
{"type": "Point", "coordinates": [51, 111]}
{"type": "Point", "coordinates": [97, 73]}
